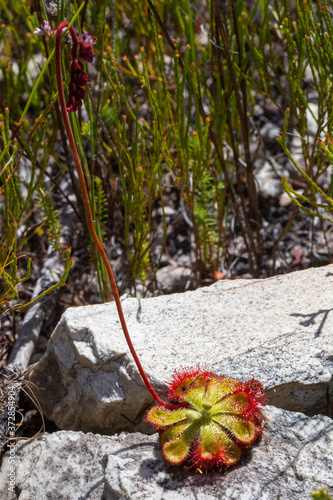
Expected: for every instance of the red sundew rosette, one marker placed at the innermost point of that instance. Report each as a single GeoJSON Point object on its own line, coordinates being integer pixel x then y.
{"type": "Point", "coordinates": [221, 423]}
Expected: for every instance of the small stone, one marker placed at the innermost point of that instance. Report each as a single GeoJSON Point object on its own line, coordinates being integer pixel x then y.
{"type": "Point", "coordinates": [269, 180]}
{"type": "Point", "coordinates": [173, 279]}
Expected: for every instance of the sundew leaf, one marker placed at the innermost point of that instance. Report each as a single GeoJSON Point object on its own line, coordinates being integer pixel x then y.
{"type": "Point", "coordinates": [162, 418]}
{"type": "Point", "coordinates": [236, 403]}
{"type": "Point", "coordinates": [210, 440]}
{"type": "Point", "coordinates": [177, 450]}
{"type": "Point", "coordinates": [173, 432]}
{"type": "Point", "coordinates": [244, 431]}
{"type": "Point", "coordinates": [196, 397]}
{"type": "Point", "coordinates": [187, 379]}
{"type": "Point", "coordinates": [218, 388]}
{"type": "Point", "coordinates": [215, 445]}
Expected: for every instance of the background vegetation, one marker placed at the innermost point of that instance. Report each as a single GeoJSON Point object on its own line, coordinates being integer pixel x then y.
{"type": "Point", "coordinates": [171, 137]}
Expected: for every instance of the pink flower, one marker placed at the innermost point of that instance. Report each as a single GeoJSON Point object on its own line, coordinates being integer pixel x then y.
{"type": "Point", "coordinates": [45, 29]}
{"type": "Point", "coordinates": [87, 38]}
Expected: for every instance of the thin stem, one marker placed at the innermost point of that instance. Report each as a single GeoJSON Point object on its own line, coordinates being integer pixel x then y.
{"type": "Point", "coordinates": [89, 214]}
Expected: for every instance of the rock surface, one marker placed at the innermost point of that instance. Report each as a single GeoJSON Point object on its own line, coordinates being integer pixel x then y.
{"type": "Point", "coordinates": [174, 279]}
{"type": "Point", "coordinates": [278, 330]}
{"type": "Point", "coordinates": [294, 457]}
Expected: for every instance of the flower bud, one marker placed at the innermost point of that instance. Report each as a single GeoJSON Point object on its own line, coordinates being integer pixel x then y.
{"type": "Point", "coordinates": [86, 52]}
{"type": "Point", "coordinates": [82, 79]}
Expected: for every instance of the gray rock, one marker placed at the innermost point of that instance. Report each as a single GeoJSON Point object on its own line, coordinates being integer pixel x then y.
{"type": "Point", "coordinates": [294, 457]}
{"type": "Point", "coordinates": [312, 117]}
{"type": "Point", "coordinates": [269, 132]}
{"type": "Point", "coordinates": [269, 179]}
{"type": "Point", "coordinates": [174, 279]}
{"type": "Point", "coordinates": [278, 330]}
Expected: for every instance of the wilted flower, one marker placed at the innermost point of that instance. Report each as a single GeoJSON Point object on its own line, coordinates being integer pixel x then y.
{"type": "Point", "coordinates": [86, 41]}
{"type": "Point", "coordinates": [221, 423]}
{"type": "Point", "coordinates": [86, 52]}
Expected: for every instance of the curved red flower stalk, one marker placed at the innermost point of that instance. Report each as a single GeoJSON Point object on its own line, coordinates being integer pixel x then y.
{"type": "Point", "coordinates": [86, 53]}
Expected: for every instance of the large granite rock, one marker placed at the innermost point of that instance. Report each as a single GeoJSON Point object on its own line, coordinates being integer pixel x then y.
{"type": "Point", "coordinates": [294, 457]}
{"type": "Point", "coordinates": [278, 329]}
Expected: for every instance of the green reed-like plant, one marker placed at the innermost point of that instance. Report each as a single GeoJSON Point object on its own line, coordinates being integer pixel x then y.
{"type": "Point", "coordinates": [292, 49]}
{"type": "Point", "coordinates": [302, 201]}
{"type": "Point", "coordinates": [180, 110]}
{"type": "Point", "coordinates": [23, 137]}
{"type": "Point", "coordinates": [311, 39]}
{"type": "Point", "coordinates": [51, 218]}
{"type": "Point", "coordinates": [195, 130]}
{"type": "Point", "coordinates": [13, 208]}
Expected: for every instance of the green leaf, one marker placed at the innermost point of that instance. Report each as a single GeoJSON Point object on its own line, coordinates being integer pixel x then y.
{"type": "Point", "coordinates": [218, 388]}
{"type": "Point", "coordinates": [177, 450]}
{"type": "Point", "coordinates": [214, 443]}
{"type": "Point", "coordinates": [196, 397]}
{"type": "Point", "coordinates": [162, 418]}
{"type": "Point", "coordinates": [236, 403]}
{"type": "Point", "coordinates": [244, 431]}
{"type": "Point", "coordinates": [173, 432]}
